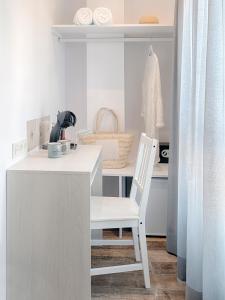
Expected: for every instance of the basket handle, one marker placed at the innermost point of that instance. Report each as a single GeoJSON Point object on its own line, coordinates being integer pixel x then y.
{"type": "Point", "coordinates": [99, 118]}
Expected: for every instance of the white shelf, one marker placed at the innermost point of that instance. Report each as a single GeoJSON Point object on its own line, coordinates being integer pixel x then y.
{"type": "Point", "coordinates": [160, 171]}
{"type": "Point", "coordinates": [76, 33]}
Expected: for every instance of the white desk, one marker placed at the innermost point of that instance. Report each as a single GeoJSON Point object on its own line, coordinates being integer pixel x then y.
{"type": "Point", "coordinates": [160, 171]}
{"type": "Point", "coordinates": [48, 225]}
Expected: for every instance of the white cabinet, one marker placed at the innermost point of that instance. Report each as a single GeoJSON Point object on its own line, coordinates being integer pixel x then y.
{"type": "Point", "coordinates": [48, 225]}
{"type": "Point", "coordinates": [156, 216]}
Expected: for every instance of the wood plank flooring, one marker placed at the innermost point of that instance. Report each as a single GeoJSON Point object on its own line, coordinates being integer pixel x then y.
{"type": "Point", "coordinates": [130, 286]}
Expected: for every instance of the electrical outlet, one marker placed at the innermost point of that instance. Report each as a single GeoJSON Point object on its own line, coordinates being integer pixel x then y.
{"type": "Point", "coordinates": [19, 149]}
{"type": "Point", "coordinates": [45, 128]}
{"type": "Point", "coordinates": [38, 132]}
{"type": "Point", "coordinates": [33, 134]}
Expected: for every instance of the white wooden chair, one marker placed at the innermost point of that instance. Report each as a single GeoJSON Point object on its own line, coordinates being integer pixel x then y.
{"type": "Point", "coordinates": [111, 212]}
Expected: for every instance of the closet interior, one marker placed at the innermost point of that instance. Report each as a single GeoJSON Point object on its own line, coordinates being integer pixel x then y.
{"type": "Point", "coordinates": [105, 67]}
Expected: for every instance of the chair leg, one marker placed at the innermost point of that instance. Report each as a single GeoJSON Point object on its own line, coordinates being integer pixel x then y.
{"type": "Point", "coordinates": [120, 233]}
{"type": "Point", "coordinates": [144, 255]}
{"type": "Point", "coordinates": [136, 243]}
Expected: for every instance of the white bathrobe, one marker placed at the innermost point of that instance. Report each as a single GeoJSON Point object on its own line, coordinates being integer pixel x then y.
{"type": "Point", "coordinates": [152, 105]}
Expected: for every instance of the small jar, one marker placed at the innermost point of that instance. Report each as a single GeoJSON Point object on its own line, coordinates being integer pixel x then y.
{"type": "Point", "coordinates": [54, 150]}
{"type": "Point", "coordinates": [65, 146]}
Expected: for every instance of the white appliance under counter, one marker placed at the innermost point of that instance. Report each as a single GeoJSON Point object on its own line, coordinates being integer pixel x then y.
{"type": "Point", "coordinates": [48, 225]}
{"type": "Point", "coordinates": [156, 214]}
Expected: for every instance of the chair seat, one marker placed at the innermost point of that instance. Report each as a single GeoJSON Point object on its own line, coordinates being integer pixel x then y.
{"type": "Point", "coordinates": [113, 209]}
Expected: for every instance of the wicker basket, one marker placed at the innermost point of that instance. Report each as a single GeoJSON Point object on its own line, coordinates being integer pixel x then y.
{"type": "Point", "coordinates": [120, 142]}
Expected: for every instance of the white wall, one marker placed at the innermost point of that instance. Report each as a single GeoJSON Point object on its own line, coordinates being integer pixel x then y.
{"type": "Point", "coordinates": [67, 9]}
{"type": "Point", "coordinates": [76, 82]}
{"type": "Point", "coordinates": [31, 78]}
{"type": "Point", "coordinates": [163, 9]}
{"type": "Point", "coordinates": [105, 81]}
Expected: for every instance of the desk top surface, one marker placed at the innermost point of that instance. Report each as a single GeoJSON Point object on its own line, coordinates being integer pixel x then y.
{"type": "Point", "coordinates": [81, 160]}
{"type": "Point", "coordinates": [160, 171]}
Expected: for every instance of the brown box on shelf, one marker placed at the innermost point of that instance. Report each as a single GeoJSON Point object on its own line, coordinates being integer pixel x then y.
{"type": "Point", "coordinates": [149, 20]}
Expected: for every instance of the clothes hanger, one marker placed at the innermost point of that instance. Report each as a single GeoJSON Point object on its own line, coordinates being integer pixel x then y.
{"type": "Point", "coordinates": [151, 51]}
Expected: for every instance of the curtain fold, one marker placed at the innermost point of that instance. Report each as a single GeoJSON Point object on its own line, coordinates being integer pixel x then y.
{"type": "Point", "coordinates": [173, 162]}
{"type": "Point", "coordinates": [201, 149]}
{"type": "Point", "coordinates": [214, 157]}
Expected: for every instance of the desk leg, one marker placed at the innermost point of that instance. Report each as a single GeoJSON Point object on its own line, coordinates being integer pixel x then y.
{"type": "Point", "coordinates": [96, 190]}
{"type": "Point", "coordinates": [121, 195]}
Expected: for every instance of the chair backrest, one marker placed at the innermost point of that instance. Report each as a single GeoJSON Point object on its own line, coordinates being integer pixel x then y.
{"type": "Point", "coordinates": [143, 172]}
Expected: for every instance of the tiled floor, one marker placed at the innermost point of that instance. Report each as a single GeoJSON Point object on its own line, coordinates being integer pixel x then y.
{"type": "Point", "coordinates": [130, 286]}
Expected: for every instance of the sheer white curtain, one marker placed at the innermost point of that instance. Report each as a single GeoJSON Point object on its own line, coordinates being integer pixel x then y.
{"type": "Point", "coordinates": [201, 175]}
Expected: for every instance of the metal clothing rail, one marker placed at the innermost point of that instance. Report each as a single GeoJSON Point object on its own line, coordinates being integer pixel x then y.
{"type": "Point", "coordinates": [114, 40]}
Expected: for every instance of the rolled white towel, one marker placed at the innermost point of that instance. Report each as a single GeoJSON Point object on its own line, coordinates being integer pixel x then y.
{"type": "Point", "coordinates": [102, 16]}
{"type": "Point", "coordinates": [83, 16]}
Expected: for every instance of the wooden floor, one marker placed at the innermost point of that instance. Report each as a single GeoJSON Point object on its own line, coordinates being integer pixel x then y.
{"type": "Point", "coordinates": [130, 286]}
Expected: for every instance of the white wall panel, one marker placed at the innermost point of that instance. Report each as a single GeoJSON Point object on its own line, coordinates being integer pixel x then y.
{"type": "Point", "coordinates": [76, 83]}
{"type": "Point", "coordinates": [163, 9]}
{"type": "Point", "coordinates": [67, 10]}
{"type": "Point", "coordinates": [105, 80]}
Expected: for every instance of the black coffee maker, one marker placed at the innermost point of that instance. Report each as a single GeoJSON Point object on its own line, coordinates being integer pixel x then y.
{"type": "Point", "coordinates": [65, 119]}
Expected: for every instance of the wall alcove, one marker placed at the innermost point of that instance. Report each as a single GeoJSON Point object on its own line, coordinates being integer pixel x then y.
{"type": "Point", "coordinates": [105, 65]}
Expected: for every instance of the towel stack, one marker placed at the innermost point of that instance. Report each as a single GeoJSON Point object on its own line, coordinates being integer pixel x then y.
{"type": "Point", "coordinates": [102, 16]}
{"type": "Point", "coordinates": [83, 16]}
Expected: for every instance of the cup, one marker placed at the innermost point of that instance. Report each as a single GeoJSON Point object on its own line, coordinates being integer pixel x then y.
{"type": "Point", "coordinates": [54, 150]}
{"type": "Point", "coordinates": [65, 146]}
